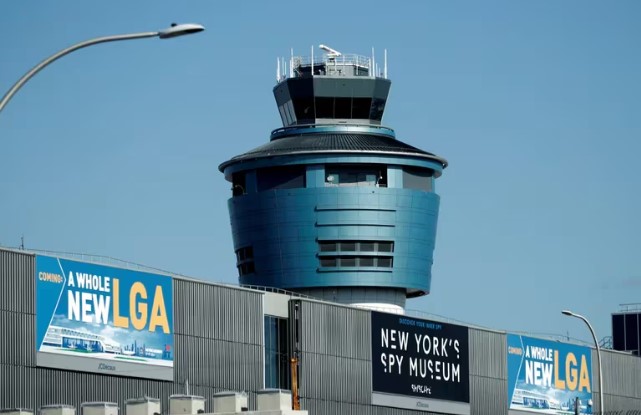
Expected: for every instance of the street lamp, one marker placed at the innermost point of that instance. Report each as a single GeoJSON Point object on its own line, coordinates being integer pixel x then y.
{"type": "Point", "coordinates": [598, 352]}
{"type": "Point", "coordinates": [174, 30]}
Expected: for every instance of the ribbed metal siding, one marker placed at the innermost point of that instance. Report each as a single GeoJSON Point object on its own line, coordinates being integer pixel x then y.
{"type": "Point", "coordinates": [335, 330]}
{"type": "Point", "coordinates": [218, 334]}
{"type": "Point", "coordinates": [488, 372]}
{"type": "Point", "coordinates": [488, 396]}
{"type": "Point", "coordinates": [335, 358]}
{"type": "Point", "coordinates": [218, 312]}
{"type": "Point", "coordinates": [228, 365]}
{"type": "Point", "coordinates": [17, 339]}
{"type": "Point", "coordinates": [17, 282]}
{"type": "Point", "coordinates": [621, 380]}
{"type": "Point", "coordinates": [488, 354]}
{"type": "Point", "coordinates": [17, 308]}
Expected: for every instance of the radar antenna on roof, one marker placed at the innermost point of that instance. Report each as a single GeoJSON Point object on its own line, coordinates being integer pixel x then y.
{"type": "Point", "coordinates": [331, 53]}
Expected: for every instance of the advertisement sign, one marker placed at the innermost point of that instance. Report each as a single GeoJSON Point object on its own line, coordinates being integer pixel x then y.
{"type": "Point", "coordinates": [547, 376]}
{"type": "Point", "coordinates": [101, 319]}
{"type": "Point", "coordinates": [420, 364]}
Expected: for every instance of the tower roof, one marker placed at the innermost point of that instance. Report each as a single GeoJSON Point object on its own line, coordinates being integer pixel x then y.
{"type": "Point", "coordinates": [324, 143]}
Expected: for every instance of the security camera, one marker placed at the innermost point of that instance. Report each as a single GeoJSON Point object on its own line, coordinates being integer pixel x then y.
{"type": "Point", "coordinates": [333, 53]}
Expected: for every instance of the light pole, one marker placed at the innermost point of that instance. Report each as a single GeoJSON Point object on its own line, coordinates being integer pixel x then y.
{"type": "Point", "coordinates": [174, 30]}
{"type": "Point", "coordinates": [598, 353]}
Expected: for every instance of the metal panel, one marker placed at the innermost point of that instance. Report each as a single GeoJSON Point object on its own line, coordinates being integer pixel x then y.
{"type": "Point", "coordinates": [488, 395]}
{"type": "Point", "coordinates": [621, 380]}
{"type": "Point", "coordinates": [488, 354]}
{"type": "Point", "coordinates": [335, 330]}
{"type": "Point", "coordinates": [218, 312]}
{"type": "Point", "coordinates": [227, 365]}
{"type": "Point", "coordinates": [335, 378]}
{"type": "Point", "coordinates": [335, 353]}
{"type": "Point", "coordinates": [17, 338]}
{"type": "Point", "coordinates": [17, 281]}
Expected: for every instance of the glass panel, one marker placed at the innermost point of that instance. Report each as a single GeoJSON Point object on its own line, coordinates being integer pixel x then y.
{"type": "Point", "coordinates": [385, 247]}
{"type": "Point", "coordinates": [348, 261]}
{"type": "Point", "coordinates": [366, 261]}
{"type": "Point", "coordinates": [352, 175]}
{"type": "Point", "coordinates": [367, 247]}
{"type": "Point", "coordinates": [420, 179]}
{"type": "Point", "coordinates": [343, 108]}
{"type": "Point", "coordinates": [378, 107]}
{"type": "Point", "coordinates": [631, 335]}
{"type": "Point", "coordinates": [280, 178]}
{"type": "Point", "coordinates": [361, 107]}
{"type": "Point", "coordinates": [328, 261]}
{"type": "Point", "coordinates": [324, 107]}
{"type": "Point", "coordinates": [384, 262]}
{"type": "Point", "coordinates": [327, 246]}
{"type": "Point", "coordinates": [348, 246]}
{"type": "Point", "coordinates": [271, 352]}
{"type": "Point", "coordinates": [238, 185]}
{"type": "Point", "coordinates": [304, 109]}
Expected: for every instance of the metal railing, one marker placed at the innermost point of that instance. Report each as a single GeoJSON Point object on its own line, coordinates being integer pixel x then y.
{"type": "Point", "coordinates": [346, 59]}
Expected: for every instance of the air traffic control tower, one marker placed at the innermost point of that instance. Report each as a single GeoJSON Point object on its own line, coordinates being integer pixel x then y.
{"type": "Point", "coordinates": [335, 206]}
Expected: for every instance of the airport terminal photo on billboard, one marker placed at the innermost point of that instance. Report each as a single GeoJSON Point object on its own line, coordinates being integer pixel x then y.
{"type": "Point", "coordinates": [97, 318]}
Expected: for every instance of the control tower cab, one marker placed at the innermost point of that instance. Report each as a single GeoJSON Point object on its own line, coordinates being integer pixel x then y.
{"type": "Point", "coordinates": [334, 206]}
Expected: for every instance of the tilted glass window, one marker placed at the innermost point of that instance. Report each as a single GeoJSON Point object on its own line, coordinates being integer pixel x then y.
{"type": "Point", "coordinates": [415, 178]}
{"type": "Point", "coordinates": [286, 177]}
{"type": "Point", "coordinates": [347, 175]}
{"type": "Point", "coordinates": [245, 261]}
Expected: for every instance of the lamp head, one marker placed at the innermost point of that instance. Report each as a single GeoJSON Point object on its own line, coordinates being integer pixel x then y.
{"type": "Point", "coordinates": [176, 30]}
{"type": "Point", "coordinates": [567, 312]}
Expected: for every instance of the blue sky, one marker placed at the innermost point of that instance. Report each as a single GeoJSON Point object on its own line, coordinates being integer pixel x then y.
{"type": "Point", "coordinates": [113, 150]}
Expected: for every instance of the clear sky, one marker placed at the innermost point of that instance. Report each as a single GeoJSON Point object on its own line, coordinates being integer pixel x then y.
{"type": "Point", "coordinates": [114, 150]}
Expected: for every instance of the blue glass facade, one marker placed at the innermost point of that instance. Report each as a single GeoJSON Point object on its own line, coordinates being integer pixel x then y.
{"type": "Point", "coordinates": [335, 205]}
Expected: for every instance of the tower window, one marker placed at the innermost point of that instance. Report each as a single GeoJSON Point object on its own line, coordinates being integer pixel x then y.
{"type": "Point", "coordinates": [245, 261]}
{"type": "Point", "coordinates": [415, 178]}
{"type": "Point", "coordinates": [356, 246]}
{"type": "Point", "coordinates": [355, 254]}
{"type": "Point", "coordinates": [341, 175]}
{"type": "Point", "coordinates": [324, 107]}
{"type": "Point", "coordinates": [356, 262]}
{"type": "Point", "coordinates": [287, 177]}
{"type": "Point", "coordinates": [361, 107]}
{"type": "Point", "coordinates": [238, 184]}
{"type": "Point", "coordinates": [327, 246]}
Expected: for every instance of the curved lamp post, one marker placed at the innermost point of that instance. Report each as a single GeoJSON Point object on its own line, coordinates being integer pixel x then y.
{"type": "Point", "coordinates": [598, 353]}
{"type": "Point", "coordinates": [174, 30]}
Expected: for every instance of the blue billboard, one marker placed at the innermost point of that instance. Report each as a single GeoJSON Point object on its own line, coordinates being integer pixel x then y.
{"type": "Point", "coordinates": [98, 318]}
{"type": "Point", "coordinates": [547, 376]}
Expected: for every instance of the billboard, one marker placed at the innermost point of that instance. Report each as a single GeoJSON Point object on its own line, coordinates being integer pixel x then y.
{"type": "Point", "coordinates": [547, 376]}
{"type": "Point", "coordinates": [419, 364]}
{"type": "Point", "coordinates": [102, 319]}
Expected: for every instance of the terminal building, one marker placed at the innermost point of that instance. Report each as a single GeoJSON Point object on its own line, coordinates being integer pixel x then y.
{"type": "Point", "coordinates": [333, 223]}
